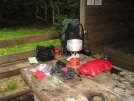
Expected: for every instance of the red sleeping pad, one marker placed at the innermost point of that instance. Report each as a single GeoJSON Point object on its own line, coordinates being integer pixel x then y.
{"type": "Point", "coordinates": [94, 67]}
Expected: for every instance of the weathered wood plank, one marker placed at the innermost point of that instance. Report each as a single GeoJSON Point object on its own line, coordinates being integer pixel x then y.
{"type": "Point", "coordinates": [110, 34]}
{"type": "Point", "coordinates": [14, 93]}
{"type": "Point", "coordinates": [88, 87]}
{"type": "Point", "coordinates": [14, 66]}
{"type": "Point", "coordinates": [119, 53]}
{"type": "Point", "coordinates": [120, 58]}
{"type": "Point", "coordinates": [109, 22]}
{"type": "Point", "coordinates": [104, 83]}
{"type": "Point", "coordinates": [109, 11]}
{"type": "Point", "coordinates": [107, 19]}
{"type": "Point", "coordinates": [109, 27]}
{"type": "Point", "coordinates": [28, 39]}
{"type": "Point", "coordinates": [11, 64]}
{"type": "Point", "coordinates": [113, 4]}
{"type": "Point", "coordinates": [82, 12]}
{"type": "Point", "coordinates": [121, 85]}
{"type": "Point", "coordinates": [51, 88]}
{"type": "Point", "coordinates": [19, 56]}
{"type": "Point", "coordinates": [9, 74]}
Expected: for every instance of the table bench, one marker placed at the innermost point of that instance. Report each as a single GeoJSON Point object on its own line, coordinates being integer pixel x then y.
{"type": "Point", "coordinates": [53, 88]}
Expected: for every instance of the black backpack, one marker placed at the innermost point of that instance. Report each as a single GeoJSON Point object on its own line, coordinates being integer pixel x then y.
{"type": "Point", "coordinates": [45, 53]}
{"type": "Point", "coordinates": [72, 29]}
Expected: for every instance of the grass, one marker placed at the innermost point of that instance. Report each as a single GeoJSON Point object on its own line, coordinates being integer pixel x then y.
{"type": "Point", "coordinates": [12, 85]}
{"type": "Point", "coordinates": [26, 47]}
{"type": "Point", "coordinates": [2, 90]}
{"type": "Point", "coordinates": [15, 33]}
{"type": "Point", "coordinates": [24, 83]}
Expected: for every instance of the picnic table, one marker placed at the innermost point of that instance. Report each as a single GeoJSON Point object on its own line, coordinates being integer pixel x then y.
{"type": "Point", "coordinates": [105, 85]}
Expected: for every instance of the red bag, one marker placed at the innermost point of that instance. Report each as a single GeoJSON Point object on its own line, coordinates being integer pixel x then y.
{"type": "Point", "coordinates": [94, 67]}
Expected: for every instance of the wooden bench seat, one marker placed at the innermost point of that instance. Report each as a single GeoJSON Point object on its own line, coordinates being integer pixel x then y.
{"type": "Point", "coordinates": [121, 54]}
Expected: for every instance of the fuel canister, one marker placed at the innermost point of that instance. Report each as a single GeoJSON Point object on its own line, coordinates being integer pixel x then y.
{"type": "Point", "coordinates": [74, 62]}
{"type": "Point", "coordinates": [57, 52]}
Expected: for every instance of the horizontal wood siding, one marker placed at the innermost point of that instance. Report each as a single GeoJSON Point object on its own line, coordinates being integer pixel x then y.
{"type": "Point", "coordinates": [24, 40]}
{"type": "Point", "coordinates": [28, 39]}
{"type": "Point", "coordinates": [12, 63]}
{"type": "Point", "coordinates": [5, 59]}
{"type": "Point", "coordinates": [109, 22]}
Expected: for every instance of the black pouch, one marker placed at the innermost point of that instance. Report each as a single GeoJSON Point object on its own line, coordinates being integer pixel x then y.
{"type": "Point", "coordinates": [44, 53]}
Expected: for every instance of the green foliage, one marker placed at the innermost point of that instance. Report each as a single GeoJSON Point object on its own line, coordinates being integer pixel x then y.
{"type": "Point", "coordinates": [12, 85]}
{"type": "Point", "coordinates": [2, 90]}
{"type": "Point", "coordinates": [24, 10]}
{"type": "Point", "coordinates": [17, 9]}
{"type": "Point", "coordinates": [27, 47]}
{"type": "Point", "coordinates": [59, 19]}
{"type": "Point", "coordinates": [15, 33]}
{"type": "Point", "coordinates": [72, 8]}
{"type": "Point", "coordinates": [24, 83]}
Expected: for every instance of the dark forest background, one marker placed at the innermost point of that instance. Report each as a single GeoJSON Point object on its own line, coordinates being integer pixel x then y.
{"type": "Point", "coordinates": [48, 12]}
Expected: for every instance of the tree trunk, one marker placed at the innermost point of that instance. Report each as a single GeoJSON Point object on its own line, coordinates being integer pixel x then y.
{"type": "Point", "coordinates": [58, 7]}
{"type": "Point", "coordinates": [37, 12]}
{"type": "Point", "coordinates": [53, 12]}
{"type": "Point", "coordinates": [45, 9]}
{"type": "Point", "coordinates": [1, 8]}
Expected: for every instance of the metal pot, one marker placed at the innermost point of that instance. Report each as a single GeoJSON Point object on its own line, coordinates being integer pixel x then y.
{"type": "Point", "coordinates": [74, 45]}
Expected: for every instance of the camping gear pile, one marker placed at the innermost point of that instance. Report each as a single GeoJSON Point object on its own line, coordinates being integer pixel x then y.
{"type": "Point", "coordinates": [74, 46]}
{"type": "Point", "coordinates": [73, 39]}
{"type": "Point", "coordinates": [73, 29]}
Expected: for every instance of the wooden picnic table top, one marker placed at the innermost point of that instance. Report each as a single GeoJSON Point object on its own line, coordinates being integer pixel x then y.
{"type": "Point", "coordinates": [53, 88]}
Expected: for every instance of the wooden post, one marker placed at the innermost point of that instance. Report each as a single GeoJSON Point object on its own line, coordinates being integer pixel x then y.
{"type": "Point", "coordinates": [82, 12]}
{"type": "Point", "coordinates": [35, 98]}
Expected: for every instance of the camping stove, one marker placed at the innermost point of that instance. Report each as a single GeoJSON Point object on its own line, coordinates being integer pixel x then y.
{"type": "Point", "coordinates": [74, 45]}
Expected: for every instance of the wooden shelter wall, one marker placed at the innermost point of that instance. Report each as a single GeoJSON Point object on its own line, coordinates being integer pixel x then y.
{"type": "Point", "coordinates": [11, 64]}
{"type": "Point", "coordinates": [23, 40]}
{"type": "Point", "coordinates": [109, 22]}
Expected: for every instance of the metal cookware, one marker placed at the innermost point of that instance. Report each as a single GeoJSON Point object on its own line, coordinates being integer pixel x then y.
{"type": "Point", "coordinates": [74, 45]}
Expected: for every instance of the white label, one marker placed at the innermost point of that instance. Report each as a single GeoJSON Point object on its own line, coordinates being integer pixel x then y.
{"type": "Point", "coordinates": [90, 2]}
{"type": "Point", "coordinates": [98, 2]}
{"type": "Point", "coordinates": [32, 60]}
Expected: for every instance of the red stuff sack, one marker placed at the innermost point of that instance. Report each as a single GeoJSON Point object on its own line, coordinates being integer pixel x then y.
{"type": "Point", "coordinates": [94, 67]}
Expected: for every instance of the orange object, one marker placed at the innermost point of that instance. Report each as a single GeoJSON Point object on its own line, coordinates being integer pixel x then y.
{"type": "Point", "coordinates": [57, 52]}
{"type": "Point", "coordinates": [74, 62]}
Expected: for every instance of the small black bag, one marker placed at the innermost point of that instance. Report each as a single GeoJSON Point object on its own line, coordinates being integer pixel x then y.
{"type": "Point", "coordinates": [45, 53]}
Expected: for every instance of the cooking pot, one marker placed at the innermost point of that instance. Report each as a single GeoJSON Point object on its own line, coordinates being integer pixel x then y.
{"type": "Point", "coordinates": [74, 45]}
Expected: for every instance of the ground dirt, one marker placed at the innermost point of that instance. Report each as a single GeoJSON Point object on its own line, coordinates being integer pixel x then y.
{"type": "Point", "coordinates": [25, 97]}
{"type": "Point", "coordinates": [3, 82]}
